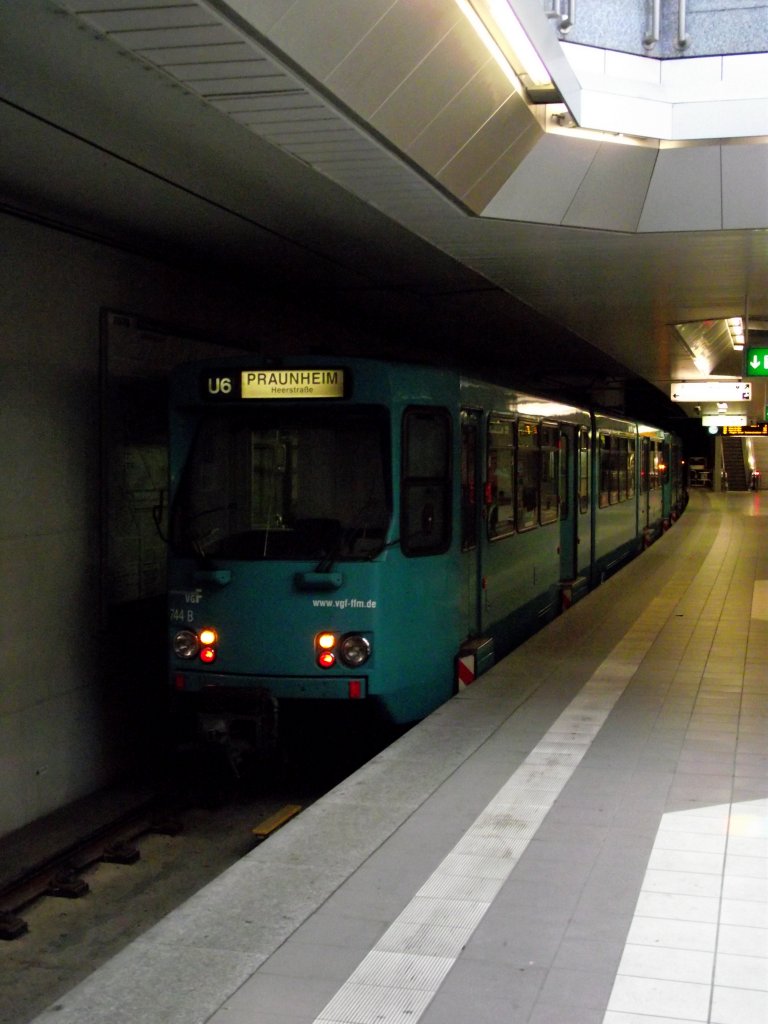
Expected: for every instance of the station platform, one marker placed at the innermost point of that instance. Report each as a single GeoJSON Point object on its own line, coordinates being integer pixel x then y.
{"type": "Point", "coordinates": [580, 837]}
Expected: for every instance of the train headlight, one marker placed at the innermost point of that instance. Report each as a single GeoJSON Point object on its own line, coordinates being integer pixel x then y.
{"type": "Point", "coordinates": [185, 644]}
{"type": "Point", "coordinates": [354, 650]}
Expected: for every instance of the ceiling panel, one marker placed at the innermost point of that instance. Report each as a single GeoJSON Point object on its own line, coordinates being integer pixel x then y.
{"type": "Point", "coordinates": [177, 56]}
{"type": "Point", "coordinates": [147, 17]}
{"type": "Point", "coordinates": [321, 33]}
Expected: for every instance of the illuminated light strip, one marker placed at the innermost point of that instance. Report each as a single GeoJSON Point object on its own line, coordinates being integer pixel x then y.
{"type": "Point", "coordinates": [513, 32]}
{"type": "Point", "coordinates": [489, 42]}
{"type": "Point", "coordinates": [403, 972]}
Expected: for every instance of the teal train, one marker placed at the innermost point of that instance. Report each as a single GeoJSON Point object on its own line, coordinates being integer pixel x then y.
{"type": "Point", "coordinates": [361, 532]}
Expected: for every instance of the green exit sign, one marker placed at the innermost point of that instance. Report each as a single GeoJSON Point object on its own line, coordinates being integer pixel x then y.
{"type": "Point", "coordinates": [756, 362]}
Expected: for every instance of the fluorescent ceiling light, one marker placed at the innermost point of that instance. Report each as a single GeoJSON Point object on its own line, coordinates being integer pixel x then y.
{"type": "Point", "coordinates": [535, 407]}
{"type": "Point", "coordinates": [736, 331]}
{"type": "Point", "coordinates": [498, 27]}
{"type": "Point", "coordinates": [514, 35]}
{"type": "Point", "coordinates": [708, 342]}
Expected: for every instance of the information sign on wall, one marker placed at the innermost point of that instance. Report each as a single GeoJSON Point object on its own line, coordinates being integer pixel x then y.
{"type": "Point", "coordinates": [711, 390]}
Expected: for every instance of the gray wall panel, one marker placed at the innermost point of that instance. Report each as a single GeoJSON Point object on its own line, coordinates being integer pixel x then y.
{"type": "Point", "coordinates": [745, 186]}
{"type": "Point", "coordinates": [544, 185]}
{"type": "Point", "coordinates": [685, 191]}
{"type": "Point", "coordinates": [461, 119]}
{"type": "Point", "coordinates": [320, 33]}
{"type": "Point", "coordinates": [374, 69]}
{"type": "Point", "coordinates": [613, 191]}
{"type": "Point", "coordinates": [431, 87]}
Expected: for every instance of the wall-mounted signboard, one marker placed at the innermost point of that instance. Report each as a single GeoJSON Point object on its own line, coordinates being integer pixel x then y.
{"type": "Point", "coordinates": [724, 421]}
{"type": "Point", "coordinates": [712, 390]}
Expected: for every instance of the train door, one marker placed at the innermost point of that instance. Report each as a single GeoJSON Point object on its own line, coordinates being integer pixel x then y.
{"type": "Point", "coordinates": [568, 504]}
{"type": "Point", "coordinates": [471, 521]}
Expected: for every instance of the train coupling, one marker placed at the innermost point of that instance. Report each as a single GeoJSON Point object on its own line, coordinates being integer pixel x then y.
{"type": "Point", "coordinates": [242, 735]}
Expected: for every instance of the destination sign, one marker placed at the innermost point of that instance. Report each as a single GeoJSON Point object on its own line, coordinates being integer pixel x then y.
{"type": "Point", "coordinates": [750, 430]}
{"type": "Point", "coordinates": [274, 383]}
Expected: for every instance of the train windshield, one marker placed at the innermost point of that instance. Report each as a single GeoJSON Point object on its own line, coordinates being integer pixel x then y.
{"type": "Point", "coordinates": [280, 483]}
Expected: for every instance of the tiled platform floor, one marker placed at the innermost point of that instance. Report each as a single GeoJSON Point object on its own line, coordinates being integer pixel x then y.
{"type": "Point", "coordinates": [579, 838]}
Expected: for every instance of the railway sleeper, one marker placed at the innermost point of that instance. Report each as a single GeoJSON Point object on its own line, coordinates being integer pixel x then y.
{"type": "Point", "coordinates": [121, 853]}
{"type": "Point", "coordinates": [68, 885]}
{"type": "Point", "coordinates": [12, 927]}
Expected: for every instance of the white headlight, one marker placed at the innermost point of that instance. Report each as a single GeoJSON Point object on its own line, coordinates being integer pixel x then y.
{"type": "Point", "coordinates": [185, 644]}
{"type": "Point", "coordinates": [354, 650]}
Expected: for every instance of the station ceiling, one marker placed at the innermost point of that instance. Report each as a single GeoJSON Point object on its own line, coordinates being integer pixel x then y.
{"type": "Point", "coordinates": [371, 162]}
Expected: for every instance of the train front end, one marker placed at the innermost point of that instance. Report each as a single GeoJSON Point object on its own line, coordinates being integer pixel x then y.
{"type": "Point", "coordinates": [281, 512]}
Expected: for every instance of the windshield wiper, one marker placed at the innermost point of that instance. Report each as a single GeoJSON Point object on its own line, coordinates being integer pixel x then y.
{"type": "Point", "coordinates": [200, 542]}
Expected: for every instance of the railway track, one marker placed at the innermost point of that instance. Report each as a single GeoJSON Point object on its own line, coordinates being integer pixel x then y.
{"type": "Point", "coordinates": [70, 905]}
{"type": "Point", "coordinates": [66, 915]}
{"type": "Point", "coordinates": [60, 874]}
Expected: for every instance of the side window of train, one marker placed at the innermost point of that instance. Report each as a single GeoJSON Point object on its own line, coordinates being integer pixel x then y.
{"type": "Point", "coordinates": [645, 465]}
{"type": "Point", "coordinates": [605, 470]}
{"type": "Point", "coordinates": [527, 474]}
{"type": "Point", "coordinates": [622, 460]}
{"type": "Point", "coordinates": [425, 500]}
{"type": "Point", "coordinates": [631, 467]}
{"type": "Point", "coordinates": [469, 470]}
{"type": "Point", "coordinates": [565, 470]}
{"type": "Point", "coordinates": [500, 477]}
{"type": "Point", "coordinates": [584, 468]}
{"type": "Point", "coordinates": [614, 461]}
{"type": "Point", "coordinates": [549, 473]}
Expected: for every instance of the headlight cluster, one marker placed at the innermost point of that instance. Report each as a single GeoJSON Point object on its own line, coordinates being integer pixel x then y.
{"type": "Point", "coordinates": [352, 649]}
{"type": "Point", "coordinates": [203, 644]}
